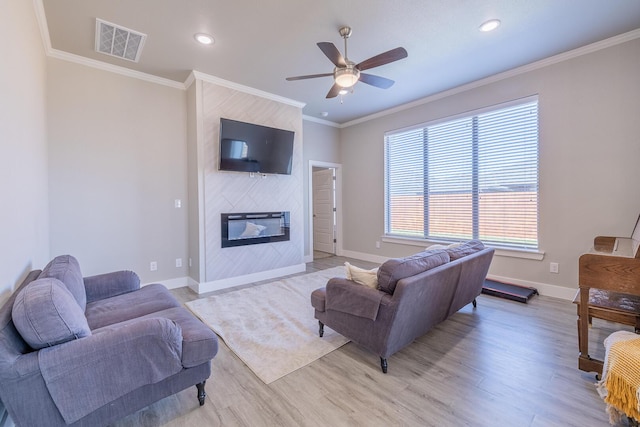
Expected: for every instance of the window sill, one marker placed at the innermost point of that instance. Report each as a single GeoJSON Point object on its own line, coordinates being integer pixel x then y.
{"type": "Point", "coordinates": [537, 255]}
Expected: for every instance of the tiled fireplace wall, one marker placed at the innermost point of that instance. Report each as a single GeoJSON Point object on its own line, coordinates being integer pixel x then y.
{"type": "Point", "coordinates": [228, 192]}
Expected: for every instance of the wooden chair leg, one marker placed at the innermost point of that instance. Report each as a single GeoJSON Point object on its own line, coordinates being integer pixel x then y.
{"type": "Point", "coordinates": [201, 392]}
{"type": "Point", "coordinates": [383, 365]}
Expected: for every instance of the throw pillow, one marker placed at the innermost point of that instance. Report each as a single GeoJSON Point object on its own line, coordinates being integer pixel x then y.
{"type": "Point", "coordinates": [252, 230]}
{"type": "Point", "coordinates": [364, 277]}
{"type": "Point", "coordinates": [45, 313]}
{"type": "Point", "coordinates": [460, 250]}
{"type": "Point", "coordinates": [66, 269]}
{"type": "Point", "coordinates": [436, 246]}
{"type": "Point", "coordinates": [397, 269]}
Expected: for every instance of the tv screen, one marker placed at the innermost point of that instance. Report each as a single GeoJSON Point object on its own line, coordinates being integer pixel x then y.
{"type": "Point", "coordinates": [247, 147]}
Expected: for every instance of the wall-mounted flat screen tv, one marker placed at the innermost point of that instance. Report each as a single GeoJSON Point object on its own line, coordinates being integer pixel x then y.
{"type": "Point", "coordinates": [247, 147]}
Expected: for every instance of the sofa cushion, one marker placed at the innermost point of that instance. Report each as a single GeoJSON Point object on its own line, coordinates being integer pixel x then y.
{"type": "Point", "coordinates": [348, 297]}
{"type": "Point", "coordinates": [46, 313]}
{"type": "Point", "coordinates": [146, 300]}
{"type": "Point", "coordinates": [199, 342]}
{"type": "Point", "coordinates": [459, 250]}
{"type": "Point", "coordinates": [361, 276]}
{"type": "Point", "coordinates": [398, 268]}
{"type": "Point", "coordinates": [66, 269]}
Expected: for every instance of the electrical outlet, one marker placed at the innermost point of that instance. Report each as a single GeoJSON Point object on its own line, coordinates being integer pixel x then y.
{"type": "Point", "coordinates": [553, 267]}
{"type": "Point", "coordinates": [177, 203]}
{"type": "Point", "coordinates": [178, 262]}
{"type": "Point", "coordinates": [153, 266]}
{"type": "Point", "coordinates": [377, 245]}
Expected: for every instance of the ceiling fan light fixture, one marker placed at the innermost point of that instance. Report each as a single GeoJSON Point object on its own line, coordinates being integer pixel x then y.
{"type": "Point", "coordinates": [346, 77]}
{"type": "Point", "coordinates": [489, 25]}
{"type": "Point", "coordinates": [203, 38]}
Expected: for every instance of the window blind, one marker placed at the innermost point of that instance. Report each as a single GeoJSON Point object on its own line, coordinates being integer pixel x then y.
{"type": "Point", "coordinates": [473, 177]}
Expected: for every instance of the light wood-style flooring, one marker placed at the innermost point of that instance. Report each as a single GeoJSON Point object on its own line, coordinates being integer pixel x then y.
{"type": "Point", "coordinates": [502, 364]}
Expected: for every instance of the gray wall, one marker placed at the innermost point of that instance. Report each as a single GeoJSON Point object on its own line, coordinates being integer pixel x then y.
{"type": "Point", "coordinates": [118, 160]}
{"type": "Point", "coordinates": [589, 152]}
{"type": "Point", "coordinates": [321, 144]}
{"type": "Point", "coordinates": [24, 229]}
{"type": "Point", "coordinates": [117, 154]}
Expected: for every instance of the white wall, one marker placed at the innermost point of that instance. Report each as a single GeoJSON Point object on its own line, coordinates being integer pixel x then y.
{"type": "Point", "coordinates": [321, 144]}
{"type": "Point", "coordinates": [118, 159]}
{"type": "Point", "coordinates": [589, 153]}
{"type": "Point", "coordinates": [24, 229]}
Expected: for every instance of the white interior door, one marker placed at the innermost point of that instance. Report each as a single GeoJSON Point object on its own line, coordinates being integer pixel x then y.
{"type": "Point", "coordinates": [323, 210]}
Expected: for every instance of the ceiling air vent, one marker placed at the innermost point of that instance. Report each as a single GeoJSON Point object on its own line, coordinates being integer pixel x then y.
{"type": "Point", "coordinates": [118, 41]}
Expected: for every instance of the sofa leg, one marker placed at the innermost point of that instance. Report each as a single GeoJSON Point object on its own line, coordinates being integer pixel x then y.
{"type": "Point", "coordinates": [475, 303]}
{"type": "Point", "coordinates": [201, 392]}
{"type": "Point", "coordinates": [383, 364]}
{"type": "Point", "coordinates": [320, 328]}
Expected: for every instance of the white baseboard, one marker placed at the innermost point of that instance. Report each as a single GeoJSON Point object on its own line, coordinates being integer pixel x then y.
{"type": "Point", "coordinates": [308, 258]}
{"type": "Point", "coordinates": [230, 282]}
{"type": "Point", "coordinates": [543, 288]}
{"type": "Point", "coordinates": [178, 282]}
{"type": "Point", "coordinates": [365, 257]}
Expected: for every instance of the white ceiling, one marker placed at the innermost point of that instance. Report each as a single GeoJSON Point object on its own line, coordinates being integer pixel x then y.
{"type": "Point", "coordinates": [260, 42]}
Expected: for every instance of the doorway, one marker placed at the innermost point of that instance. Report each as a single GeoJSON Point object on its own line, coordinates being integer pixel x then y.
{"type": "Point", "coordinates": [324, 218]}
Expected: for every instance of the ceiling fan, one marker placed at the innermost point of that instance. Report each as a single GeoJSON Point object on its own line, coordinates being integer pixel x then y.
{"type": "Point", "coordinates": [347, 73]}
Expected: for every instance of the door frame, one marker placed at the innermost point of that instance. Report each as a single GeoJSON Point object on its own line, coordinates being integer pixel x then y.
{"type": "Point", "coordinates": [338, 203]}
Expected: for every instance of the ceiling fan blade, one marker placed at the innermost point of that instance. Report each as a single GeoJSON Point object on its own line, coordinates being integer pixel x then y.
{"type": "Point", "coordinates": [377, 81]}
{"type": "Point", "coordinates": [332, 53]}
{"type": "Point", "coordinates": [334, 91]}
{"type": "Point", "coordinates": [310, 76]}
{"type": "Point", "coordinates": [383, 58]}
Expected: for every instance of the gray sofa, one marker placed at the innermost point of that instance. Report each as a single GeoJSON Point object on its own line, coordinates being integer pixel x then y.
{"type": "Point", "coordinates": [88, 351]}
{"type": "Point", "coordinates": [412, 295]}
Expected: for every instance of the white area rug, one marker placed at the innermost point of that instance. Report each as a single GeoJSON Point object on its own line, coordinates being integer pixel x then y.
{"type": "Point", "coordinates": [271, 327]}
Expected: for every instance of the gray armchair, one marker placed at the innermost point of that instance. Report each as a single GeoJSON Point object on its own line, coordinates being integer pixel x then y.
{"type": "Point", "coordinates": [88, 351]}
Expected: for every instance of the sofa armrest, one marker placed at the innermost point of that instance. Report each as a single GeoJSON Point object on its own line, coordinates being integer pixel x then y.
{"type": "Point", "coordinates": [352, 298]}
{"type": "Point", "coordinates": [84, 374]}
{"type": "Point", "coordinates": [110, 284]}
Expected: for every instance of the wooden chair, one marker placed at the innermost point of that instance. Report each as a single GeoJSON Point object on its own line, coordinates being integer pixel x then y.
{"type": "Point", "coordinates": [611, 306]}
{"type": "Point", "coordinates": [609, 280]}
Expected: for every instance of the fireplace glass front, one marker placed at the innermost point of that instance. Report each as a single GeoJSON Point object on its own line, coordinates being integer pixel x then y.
{"type": "Point", "coordinates": [252, 228]}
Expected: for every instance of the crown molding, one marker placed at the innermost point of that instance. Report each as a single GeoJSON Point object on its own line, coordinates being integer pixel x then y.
{"type": "Point", "coordinates": [584, 50]}
{"type": "Point", "coordinates": [54, 53]}
{"type": "Point", "coordinates": [241, 88]}
{"type": "Point", "coordinates": [70, 57]}
{"type": "Point", "coordinates": [41, 17]}
{"type": "Point", "coordinates": [321, 121]}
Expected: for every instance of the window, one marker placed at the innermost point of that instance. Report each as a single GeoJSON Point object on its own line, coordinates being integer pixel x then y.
{"type": "Point", "coordinates": [471, 177]}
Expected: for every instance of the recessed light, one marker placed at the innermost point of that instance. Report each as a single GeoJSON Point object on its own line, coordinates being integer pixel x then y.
{"type": "Point", "coordinates": [490, 25]}
{"type": "Point", "coordinates": [324, 113]}
{"type": "Point", "coordinates": [203, 38]}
